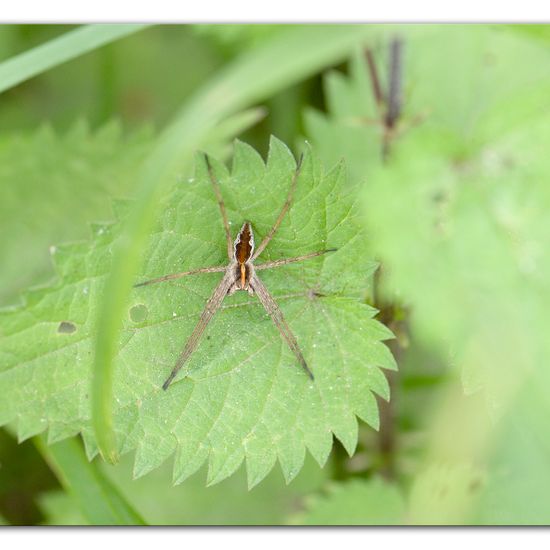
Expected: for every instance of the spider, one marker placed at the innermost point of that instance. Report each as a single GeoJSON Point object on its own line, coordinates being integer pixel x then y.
{"type": "Point", "coordinates": [241, 274]}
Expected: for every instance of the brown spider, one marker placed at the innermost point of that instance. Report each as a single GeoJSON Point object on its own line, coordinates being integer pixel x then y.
{"type": "Point", "coordinates": [240, 274]}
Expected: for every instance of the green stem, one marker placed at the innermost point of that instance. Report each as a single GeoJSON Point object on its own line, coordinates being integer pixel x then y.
{"type": "Point", "coordinates": [98, 499]}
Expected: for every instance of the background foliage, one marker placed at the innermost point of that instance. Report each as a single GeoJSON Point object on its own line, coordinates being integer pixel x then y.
{"type": "Point", "coordinates": [456, 217]}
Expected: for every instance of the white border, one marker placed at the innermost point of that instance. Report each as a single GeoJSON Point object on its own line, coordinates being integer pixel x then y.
{"type": "Point", "coordinates": [281, 11]}
{"type": "Point", "coordinates": [274, 538]}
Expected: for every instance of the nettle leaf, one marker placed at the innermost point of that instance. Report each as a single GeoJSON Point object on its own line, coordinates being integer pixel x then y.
{"type": "Point", "coordinates": [242, 394]}
{"type": "Point", "coordinates": [51, 185]}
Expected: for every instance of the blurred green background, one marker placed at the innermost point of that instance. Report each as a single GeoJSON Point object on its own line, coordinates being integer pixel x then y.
{"type": "Point", "coordinates": [458, 217]}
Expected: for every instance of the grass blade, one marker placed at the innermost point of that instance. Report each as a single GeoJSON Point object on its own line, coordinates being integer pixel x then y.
{"type": "Point", "coordinates": [99, 501]}
{"type": "Point", "coordinates": [21, 67]}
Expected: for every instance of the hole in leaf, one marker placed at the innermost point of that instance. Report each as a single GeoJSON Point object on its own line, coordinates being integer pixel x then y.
{"type": "Point", "coordinates": [66, 327]}
{"type": "Point", "coordinates": [138, 313]}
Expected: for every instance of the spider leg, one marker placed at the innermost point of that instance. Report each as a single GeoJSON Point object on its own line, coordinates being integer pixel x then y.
{"type": "Point", "coordinates": [276, 315]}
{"type": "Point", "coordinates": [284, 261]}
{"type": "Point", "coordinates": [282, 213]}
{"type": "Point", "coordinates": [375, 80]}
{"type": "Point", "coordinates": [215, 269]}
{"type": "Point", "coordinates": [221, 204]}
{"type": "Point", "coordinates": [212, 306]}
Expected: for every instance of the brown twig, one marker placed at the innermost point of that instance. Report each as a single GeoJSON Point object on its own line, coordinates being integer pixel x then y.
{"type": "Point", "coordinates": [387, 434]}
{"type": "Point", "coordinates": [389, 104]}
{"type": "Point", "coordinates": [395, 100]}
{"type": "Point", "coordinates": [375, 81]}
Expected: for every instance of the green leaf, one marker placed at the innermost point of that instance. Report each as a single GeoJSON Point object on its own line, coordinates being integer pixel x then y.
{"type": "Point", "coordinates": [98, 499]}
{"type": "Point", "coordinates": [358, 502]}
{"type": "Point", "coordinates": [72, 44]}
{"type": "Point", "coordinates": [43, 174]}
{"type": "Point", "coordinates": [303, 50]}
{"type": "Point", "coordinates": [244, 396]}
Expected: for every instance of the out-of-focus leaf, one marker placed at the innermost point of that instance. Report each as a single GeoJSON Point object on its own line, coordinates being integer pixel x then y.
{"type": "Point", "coordinates": [444, 494]}
{"type": "Point", "coordinates": [372, 502]}
{"type": "Point", "coordinates": [51, 187]}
